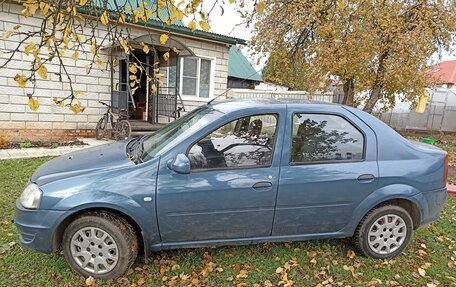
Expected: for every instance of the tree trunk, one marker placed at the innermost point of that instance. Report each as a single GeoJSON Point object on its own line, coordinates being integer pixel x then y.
{"type": "Point", "coordinates": [377, 86]}
{"type": "Point", "coordinates": [373, 98]}
{"type": "Point", "coordinates": [349, 92]}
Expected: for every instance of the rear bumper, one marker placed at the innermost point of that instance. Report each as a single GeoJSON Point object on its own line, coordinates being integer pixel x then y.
{"type": "Point", "coordinates": [37, 227]}
{"type": "Point", "coordinates": [432, 204]}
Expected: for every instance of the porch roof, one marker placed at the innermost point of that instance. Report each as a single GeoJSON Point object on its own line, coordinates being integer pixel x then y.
{"type": "Point", "coordinates": [177, 26]}
{"type": "Point", "coordinates": [239, 67]}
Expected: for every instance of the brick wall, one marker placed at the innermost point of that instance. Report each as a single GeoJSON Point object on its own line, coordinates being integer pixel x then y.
{"type": "Point", "coordinates": [46, 134]}
{"type": "Point", "coordinates": [15, 115]}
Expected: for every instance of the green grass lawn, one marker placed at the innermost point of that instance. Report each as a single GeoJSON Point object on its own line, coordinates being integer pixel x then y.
{"type": "Point", "coordinates": [430, 260]}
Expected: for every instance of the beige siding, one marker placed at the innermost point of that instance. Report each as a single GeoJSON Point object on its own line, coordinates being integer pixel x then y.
{"type": "Point", "coordinates": [14, 112]}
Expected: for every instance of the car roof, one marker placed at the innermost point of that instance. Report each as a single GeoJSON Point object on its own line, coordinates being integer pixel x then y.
{"type": "Point", "coordinates": [237, 104]}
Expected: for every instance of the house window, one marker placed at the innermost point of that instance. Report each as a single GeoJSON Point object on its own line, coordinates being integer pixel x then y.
{"type": "Point", "coordinates": [196, 77]}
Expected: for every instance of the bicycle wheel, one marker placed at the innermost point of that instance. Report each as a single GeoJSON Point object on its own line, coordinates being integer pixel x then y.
{"type": "Point", "coordinates": [100, 129]}
{"type": "Point", "coordinates": [123, 130]}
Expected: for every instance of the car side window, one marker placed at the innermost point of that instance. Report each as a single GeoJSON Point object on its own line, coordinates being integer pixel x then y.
{"type": "Point", "coordinates": [245, 142]}
{"type": "Point", "coordinates": [325, 137]}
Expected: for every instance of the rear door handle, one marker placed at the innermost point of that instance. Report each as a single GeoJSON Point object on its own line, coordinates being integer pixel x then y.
{"type": "Point", "coordinates": [262, 185]}
{"type": "Point", "coordinates": [366, 178]}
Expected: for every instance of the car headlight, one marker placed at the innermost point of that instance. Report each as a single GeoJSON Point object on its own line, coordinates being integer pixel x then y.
{"type": "Point", "coordinates": [31, 196]}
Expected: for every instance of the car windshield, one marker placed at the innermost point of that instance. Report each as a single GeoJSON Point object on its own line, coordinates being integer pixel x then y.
{"type": "Point", "coordinates": [177, 130]}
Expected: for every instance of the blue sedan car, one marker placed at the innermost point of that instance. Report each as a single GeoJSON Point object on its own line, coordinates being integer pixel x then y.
{"type": "Point", "coordinates": [235, 172]}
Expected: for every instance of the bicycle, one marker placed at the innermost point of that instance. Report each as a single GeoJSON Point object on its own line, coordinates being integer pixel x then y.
{"type": "Point", "coordinates": [120, 126]}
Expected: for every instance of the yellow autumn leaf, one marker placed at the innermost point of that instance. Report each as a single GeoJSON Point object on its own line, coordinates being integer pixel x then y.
{"type": "Point", "coordinates": [145, 48]}
{"type": "Point", "coordinates": [341, 4]}
{"type": "Point", "coordinates": [79, 93]}
{"type": "Point", "coordinates": [161, 4]}
{"type": "Point", "coordinates": [176, 13]}
{"type": "Point", "coordinates": [124, 45]}
{"type": "Point", "coordinates": [7, 34]}
{"type": "Point", "coordinates": [122, 18]}
{"type": "Point", "coordinates": [153, 88]}
{"type": "Point", "coordinates": [83, 2]}
{"type": "Point", "coordinates": [21, 80]}
{"type": "Point", "coordinates": [132, 69]}
{"type": "Point", "coordinates": [89, 281]}
{"type": "Point", "coordinates": [75, 55]}
{"type": "Point", "coordinates": [100, 63]}
{"type": "Point", "coordinates": [42, 71]}
{"type": "Point", "coordinates": [260, 7]}
{"type": "Point", "coordinates": [166, 56]}
{"type": "Point", "coordinates": [30, 8]}
{"type": "Point", "coordinates": [104, 18]}
{"type": "Point", "coordinates": [163, 39]}
{"type": "Point", "coordinates": [422, 272]}
{"type": "Point", "coordinates": [77, 108]}
{"type": "Point", "coordinates": [204, 25]}
{"type": "Point", "coordinates": [192, 25]}
{"type": "Point", "coordinates": [33, 103]}
{"type": "Point", "coordinates": [177, 51]}
{"type": "Point", "coordinates": [29, 48]}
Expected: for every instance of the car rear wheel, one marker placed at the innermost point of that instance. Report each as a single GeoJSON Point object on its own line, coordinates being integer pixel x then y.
{"type": "Point", "coordinates": [102, 245]}
{"type": "Point", "coordinates": [384, 232]}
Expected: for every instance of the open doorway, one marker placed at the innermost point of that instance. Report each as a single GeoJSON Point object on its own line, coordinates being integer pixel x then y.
{"type": "Point", "coordinates": [137, 98]}
{"type": "Point", "coordinates": [156, 101]}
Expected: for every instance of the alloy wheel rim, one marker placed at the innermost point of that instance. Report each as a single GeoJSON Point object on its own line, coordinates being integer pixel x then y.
{"type": "Point", "coordinates": [94, 250]}
{"type": "Point", "coordinates": [387, 234]}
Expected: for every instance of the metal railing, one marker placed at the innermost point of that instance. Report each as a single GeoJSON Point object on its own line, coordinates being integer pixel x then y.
{"type": "Point", "coordinates": [168, 102]}
{"type": "Point", "coordinates": [292, 95]}
{"type": "Point", "coordinates": [439, 115]}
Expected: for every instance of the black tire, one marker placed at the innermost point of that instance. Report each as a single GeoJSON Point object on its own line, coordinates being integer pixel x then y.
{"type": "Point", "coordinates": [100, 129]}
{"type": "Point", "coordinates": [363, 243]}
{"type": "Point", "coordinates": [123, 130]}
{"type": "Point", "coordinates": [117, 228]}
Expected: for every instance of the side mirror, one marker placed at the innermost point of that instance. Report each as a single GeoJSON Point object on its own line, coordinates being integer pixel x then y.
{"type": "Point", "coordinates": [181, 164]}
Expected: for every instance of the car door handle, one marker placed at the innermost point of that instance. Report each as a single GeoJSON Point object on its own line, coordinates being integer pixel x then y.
{"type": "Point", "coordinates": [262, 185]}
{"type": "Point", "coordinates": [366, 178]}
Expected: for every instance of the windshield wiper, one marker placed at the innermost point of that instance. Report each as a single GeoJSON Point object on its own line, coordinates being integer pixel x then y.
{"type": "Point", "coordinates": [135, 149]}
{"type": "Point", "coordinates": [139, 150]}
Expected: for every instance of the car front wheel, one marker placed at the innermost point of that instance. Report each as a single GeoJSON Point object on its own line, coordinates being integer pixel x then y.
{"type": "Point", "coordinates": [102, 245]}
{"type": "Point", "coordinates": [384, 232]}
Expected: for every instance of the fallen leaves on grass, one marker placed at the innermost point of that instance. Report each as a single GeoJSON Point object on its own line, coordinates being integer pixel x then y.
{"type": "Point", "coordinates": [89, 281]}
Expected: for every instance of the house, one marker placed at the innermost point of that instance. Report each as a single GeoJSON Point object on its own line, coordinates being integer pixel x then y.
{"type": "Point", "coordinates": [241, 74]}
{"type": "Point", "coordinates": [194, 76]}
{"type": "Point", "coordinates": [444, 74]}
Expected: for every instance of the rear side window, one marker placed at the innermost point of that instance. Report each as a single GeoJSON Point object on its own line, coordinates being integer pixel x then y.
{"type": "Point", "coordinates": [325, 137]}
{"type": "Point", "coordinates": [245, 142]}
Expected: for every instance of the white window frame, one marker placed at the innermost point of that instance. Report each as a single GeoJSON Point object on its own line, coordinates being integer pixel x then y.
{"type": "Point", "coordinates": [198, 67]}
{"type": "Point", "coordinates": [167, 80]}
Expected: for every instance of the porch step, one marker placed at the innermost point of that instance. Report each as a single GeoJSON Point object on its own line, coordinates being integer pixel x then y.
{"type": "Point", "coordinates": [144, 126]}
{"type": "Point", "coordinates": [140, 133]}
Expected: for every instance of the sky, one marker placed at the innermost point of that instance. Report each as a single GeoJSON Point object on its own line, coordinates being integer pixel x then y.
{"type": "Point", "coordinates": [226, 25]}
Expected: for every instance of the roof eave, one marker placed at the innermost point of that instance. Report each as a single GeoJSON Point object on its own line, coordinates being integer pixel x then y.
{"type": "Point", "coordinates": [179, 30]}
{"type": "Point", "coordinates": [194, 33]}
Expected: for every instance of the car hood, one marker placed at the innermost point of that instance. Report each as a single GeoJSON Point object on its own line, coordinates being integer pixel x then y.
{"type": "Point", "coordinates": [107, 156]}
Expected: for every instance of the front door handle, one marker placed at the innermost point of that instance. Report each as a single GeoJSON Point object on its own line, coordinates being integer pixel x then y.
{"type": "Point", "coordinates": [262, 185]}
{"type": "Point", "coordinates": [366, 178]}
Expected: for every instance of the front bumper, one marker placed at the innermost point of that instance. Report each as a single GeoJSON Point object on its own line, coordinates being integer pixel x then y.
{"type": "Point", "coordinates": [432, 204]}
{"type": "Point", "coordinates": [37, 227]}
